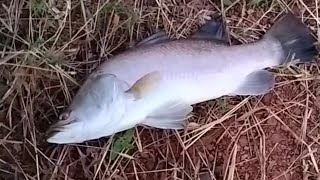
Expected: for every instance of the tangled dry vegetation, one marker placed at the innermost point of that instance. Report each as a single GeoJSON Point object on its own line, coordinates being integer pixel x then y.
{"type": "Point", "coordinates": [48, 47]}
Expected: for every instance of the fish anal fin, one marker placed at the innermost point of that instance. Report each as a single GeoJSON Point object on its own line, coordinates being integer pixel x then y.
{"type": "Point", "coordinates": [172, 115]}
{"type": "Point", "coordinates": [145, 84]}
{"type": "Point", "coordinates": [256, 83]}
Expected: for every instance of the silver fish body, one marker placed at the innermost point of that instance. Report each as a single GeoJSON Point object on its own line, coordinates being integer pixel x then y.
{"type": "Point", "coordinates": [156, 83]}
{"type": "Point", "coordinates": [196, 70]}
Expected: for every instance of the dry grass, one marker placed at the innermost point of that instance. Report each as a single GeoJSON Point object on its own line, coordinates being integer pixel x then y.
{"type": "Point", "coordinates": [49, 47]}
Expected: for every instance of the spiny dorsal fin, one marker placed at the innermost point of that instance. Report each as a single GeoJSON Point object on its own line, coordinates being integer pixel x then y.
{"type": "Point", "coordinates": [156, 38]}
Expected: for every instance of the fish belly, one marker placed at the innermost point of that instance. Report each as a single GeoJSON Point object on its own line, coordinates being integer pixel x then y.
{"type": "Point", "coordinates": [205, 87]}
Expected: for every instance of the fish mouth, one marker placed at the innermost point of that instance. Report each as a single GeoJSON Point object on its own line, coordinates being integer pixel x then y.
{"type": "Point", "coordinates": [64, 120]}
{"type": "Point", "coordinates": [59, 126]}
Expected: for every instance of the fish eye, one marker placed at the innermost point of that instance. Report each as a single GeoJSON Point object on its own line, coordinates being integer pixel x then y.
{"type": "Point", "coordinates": [65, 115]}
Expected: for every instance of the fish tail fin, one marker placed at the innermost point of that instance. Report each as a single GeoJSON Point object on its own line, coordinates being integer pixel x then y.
{"type": "Point", "coordinates": [296, 40]}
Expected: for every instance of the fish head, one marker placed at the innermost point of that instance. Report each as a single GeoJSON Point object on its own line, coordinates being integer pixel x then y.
{"type": "Point", "coordinates": [94, 112]}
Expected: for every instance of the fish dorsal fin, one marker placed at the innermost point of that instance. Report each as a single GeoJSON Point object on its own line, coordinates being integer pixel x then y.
{"type": "Point", "coordinates": [214, 30]}
{"type": "Point", "coordinates": [256, 83]}
{"type": "Point", "coordinates": [171, 115]}
{"type": "Point", "coordinates": [156, 38]}
{"type": "Point", "coordinates": [145, 84]}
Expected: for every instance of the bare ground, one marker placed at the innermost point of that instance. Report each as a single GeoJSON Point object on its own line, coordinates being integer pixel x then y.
{"type": "Point", "coordinates": [49, 47]}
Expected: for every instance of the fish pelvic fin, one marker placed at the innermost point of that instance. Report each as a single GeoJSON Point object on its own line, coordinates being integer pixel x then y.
{"type": "Point", "coordinates": [171, 115]}
{"type": "Point", "coordinates": [256, 83]}
{"type": "Point", "coordinates": [296, 40]}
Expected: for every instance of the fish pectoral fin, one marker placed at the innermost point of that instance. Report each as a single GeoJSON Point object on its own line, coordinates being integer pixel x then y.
{"type": "Point", "coordinates": [172, 115]}
{"type": "Point", "coordinates": [156, 38]}
{"type": "Point", "coordinates": [144, 85]}
{"type": "Point", "coordinates": [256, 83]}
{"type": "Point", "coordinates": [214, 30]}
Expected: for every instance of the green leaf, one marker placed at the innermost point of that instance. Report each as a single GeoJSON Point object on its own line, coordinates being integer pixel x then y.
{"type": "Point", "coordinates": [122, 143]}
{"type": "Point", "coordinates": [255, 2]}
{"type": "Point", "coordinates": [39, 7]}
{"type": "Point", "coordinates": [227, 2]}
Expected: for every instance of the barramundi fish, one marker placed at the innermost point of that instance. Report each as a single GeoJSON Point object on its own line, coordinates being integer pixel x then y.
{"type": "Point", "coordinates": [156, 82]}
